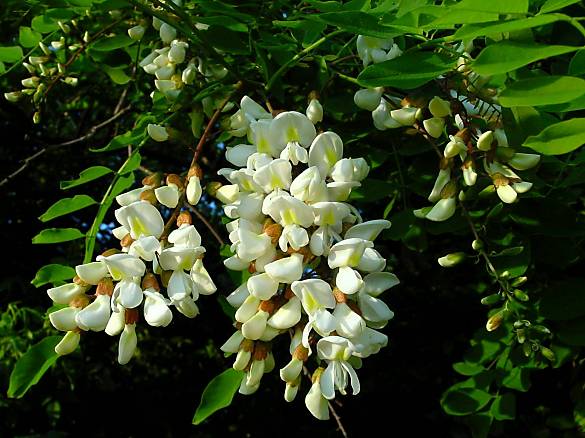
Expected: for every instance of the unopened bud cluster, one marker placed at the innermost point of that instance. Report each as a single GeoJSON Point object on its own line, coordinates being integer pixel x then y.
{"type": "Point", "coordinates": [170, 64]}
{"type": "Point", "coordinates": [158, 267]}
{"type": "Point", "coordinates": [46, 65]}
{"type": "Point", "coordinates": [451, 123]}
{"type": "Point", "coordinates": [315, 274]}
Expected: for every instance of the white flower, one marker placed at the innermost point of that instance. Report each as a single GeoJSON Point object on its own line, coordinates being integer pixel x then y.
{"type": "Point", "coordinates": [167, 33]}
{"type": "Point", "coordinates": [64, 319]}
{"type": "Point", "coordinates": [434, 126]}
{"type": "Point", "coordinates": [316, 296]}
{"type": "Point", "coordinates": [442, 210]}
{"type": "Point", "coordinates": [177, 52]}
{"type": "Point", "coordinates": [65, 293]}
{"type": "Point", "coordinates": [309, 186]}
{"type": "Point", "coordinates": [136, 32]}
{"type": "Point", "coordinates": [368, 342]}
{"type": "Point", "coordinates": [521, 161]}
{"type": "Point", "coordinates": [326, 150]}
{"type": "Point", "coordinates": [372, 308]}
{"type": "Point", "coordinates": [374, 50]}
{"type": "Point", "coordinates": [287, 269]}
{"type": "Point", "coordinates": [141, 219]}
{"type": "Point", "coordinates": [127, 344]}
{"type": "Point", "coordinates": [348, 252]}
{"type": "Point", "coordinates": [369, 230]}
{"type": "Point", "coordinates": [292, 132]}
{"type": "Point", "coordinates": [275, 175]}
{"type": "Point", "coordinates": [405, 116]}
{"type": "Point", "coordinates": [455, 147]}
{"type": "Point", "coordinates": [382, 119]}
{"type": "Point", "coordinates": [286, 210]}
{"type": "Point", "coordinates": [168, 195]}
{"type": "Point", "coordinates": [485, 140]}
{"type": "Point", "coordinates": [156, 309]}
{"type": "Point", "coordinates": [286, 316]}
{"type": "Point", "coordinates": [316, 403]}
{"type": "Point", "coordinates": [337, 351]}
{"type": "Point", "coordinates": [95, 316]}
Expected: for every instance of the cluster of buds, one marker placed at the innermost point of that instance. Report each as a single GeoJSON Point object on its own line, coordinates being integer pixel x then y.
{"type": "Point", "coordinates": [315, 274]}
{"type": "Point", "coordinates": [166, 62]}
{"type": "Point", "coordinates": [46, 66]}
{"type": "Point", "coordinates": [452, 121]}
{"type": "Point", "coordinates": [152, 256]}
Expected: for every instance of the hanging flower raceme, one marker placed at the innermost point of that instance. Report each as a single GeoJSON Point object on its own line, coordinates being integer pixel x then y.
{"type": "Point", "coordinates": [131, 280]}
{"type": "Point", "coordinates": [314, 271]}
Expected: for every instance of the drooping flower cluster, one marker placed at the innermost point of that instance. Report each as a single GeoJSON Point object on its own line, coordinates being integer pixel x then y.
{"type": "Point", "coordinates": [152, 256]}
{"type": "Point", "coordinates": [452, 121]}
{"type": "Point", "coordinates": [166, 63]}
{"type": "Point", "coordinates": [315, 274]}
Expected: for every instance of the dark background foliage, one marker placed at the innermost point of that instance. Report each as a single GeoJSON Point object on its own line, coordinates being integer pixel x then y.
{"type": "Point", "coordinates": [437, 310]}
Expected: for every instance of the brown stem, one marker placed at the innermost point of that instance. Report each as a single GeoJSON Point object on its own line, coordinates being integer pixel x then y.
{"type": "Point", "coordinates": [90, 133]}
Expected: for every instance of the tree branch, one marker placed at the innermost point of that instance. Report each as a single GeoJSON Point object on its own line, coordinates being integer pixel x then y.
{"type": "Point", "coordinates": [90, 133]}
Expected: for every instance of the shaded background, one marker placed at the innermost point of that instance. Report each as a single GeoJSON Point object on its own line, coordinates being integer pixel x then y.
{"type": "Point", "coordinates": [437, 310]}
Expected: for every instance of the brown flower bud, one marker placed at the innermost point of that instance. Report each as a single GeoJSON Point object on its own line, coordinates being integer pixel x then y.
{"type": "Point", "coordinates": [80, 301]}
{"type": "Point", "coordinates": [154, 180]}
{"type": "Point", "coordinates": [339, 296]}
{"type": "Point", "coordinates": [301, 353]}
{"type": "Point", "coordinates": [260, 351]}
{"type": "Point", "coordinates": [148, 196]}
{"type": "Point", "coordinates": [131, 316]}
{"type": "Point", "coordinates": [78, 281]}
{"type": "Point", "coordinates": [195, 170]}
{"type": "Point", "coordinates": [175, 179]}
{"type": "Point", "coordinates": [247, 345]}
{"type": "Point", "coordinates": [268, 306]}
{"type": "Point", "coordinates": [252, 268]}
{"type": "Point", "coordinates": [126, 241]}
{"type": "Point", "coordinates": [111, 251]}
{"type": "Point", "coordinates": [184, 218]}
{"type": "Point", "coordinates": [273, 231]}
{"type": "Point", "coordinates": [105, 287]}
{"type": "Point", "coordinates": [149, 281]}
{"type": "Point", "coordinates": [288, 293]}
{"type": "Point", "coordinates": [495, 321]}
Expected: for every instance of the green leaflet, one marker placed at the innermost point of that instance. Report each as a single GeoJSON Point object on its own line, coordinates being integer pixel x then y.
{"type": "Point", "coordinates": [57, 235]}
{"type": "Point", "coordinates": [87, 175]}
{"type": "Point", "coordinates": [66, 206]}
{"type": "Point", "coordinates": [560, 138]}
{"type": "Point", "coordinates": [505, 56]}
{"type": "Point", "coordinates": [542, 90]}
{"type": "Point", "coordinates": [218, 394]}
{"type": "Point", "coordinates": [32, 366]}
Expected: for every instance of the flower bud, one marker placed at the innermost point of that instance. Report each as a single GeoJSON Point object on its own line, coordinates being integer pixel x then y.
{"type": "Point", "coordinates": [136, 32]}
{"type": "Point", "coordinates": [194, 190]}
{"type": "Point", "coordinates": [64, 27]}
{"type": "Point", "coordinates": [434, 126]}
{"type": "Point", "coordinates": [157, 132]}
{"type": "Point", "coordinates": [368, 98]}
{"type": "Point", "coordinates": [491, 299]}
{"type": "Point", "coordinates": [13, 96]}
{"type": "Point", "coordinates": [315, 111]}
{"type": "Point", "coordinates": [495, 321]}
{"type": "Point", "coordinates": [127, 344]}
{"type": "Point", "coordinates": [32, 82]}
{"type": "Point", "coordinates": [485, 140]}
{"type": "Point", "coordinates": [167, 33]}
{"type": "Point", "coordinates": [521, 295]}
{"type": "Point", "coordinates": [477, 245]}
{"type": "Point", "coordinates": [548, 353]}
{"type": "Point", "coordinates": [37, 118]}
{"type": "Point", "coordinates": [68, 344]}
{"type": "Point", "coordinates": [439, 107]}
{"type": "Point", "coordinates": [71, 81]}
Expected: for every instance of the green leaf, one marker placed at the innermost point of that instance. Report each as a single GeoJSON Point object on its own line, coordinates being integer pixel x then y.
{"type": "Point", "coordinates": [560, 138]}
{"type": "Point", "coordinates": [32, 366]}
{"type": "Point", "coordinates": [515, 265]}
{"type": "Point", "coordinates": [564, 300]}
{"type": "Point", "coordinates": [577, 64]}
{"type": "Point", "coordinates": [28, 37]}
{"type": "Point", "coordinates": [44, 24]}
{"type": "Point", "coordinates": [112, 43]}
{"type": "Point", "coordinates": [67, 205]}
{"type": "Point", "coordinates": [542, 90]}
{"type": "Point", "coordinates": [554, 5]}
{"type": "Point", "coordinates": [504, 407]}
{"type": "Point", "coordinates": [471, 31]}
{"type": "Point", "coordinates": [362, 23]}
{"type": "Point", "coordinates": [518, 379]}
{"type": "Point", "coordinates": [131, 164]}
{"type": "Point", "coordinates": [468, 369]}
{"type": "Point", "coordinates": [11, 53]}
{"type": "Point", "coordinates": [464, 401]}
{"type": "Point", "coordinates": [505, 56]}
{"type": "Point", "coordinates": [87, 175]}
{"type": "Point", "coordinates": [494, 6]}
{"type": "Point", "coordinates": [57, 235]}
{"type": "Point", "coordinates": [52, 273]}
{"type": "Point", "coordinates": [117, 74]}
{"type": "Point", "coordinates": [410, 70]}
{"type": "Point", "coordinates": [218, 394]}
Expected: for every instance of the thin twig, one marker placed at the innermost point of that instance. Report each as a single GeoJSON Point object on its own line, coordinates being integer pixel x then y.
{"type": "Point", "coordinates": [337, 420]}
{"type": "Point", "coordinates": [90, 133]}
{"type": "Point", "coordinates": [206, 223]}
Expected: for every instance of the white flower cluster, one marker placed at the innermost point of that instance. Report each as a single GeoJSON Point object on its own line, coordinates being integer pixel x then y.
{"type": "Point", "coordinates": [152, 254]}
{"type": "Point", "coordinates": [470, 144]}
{"type": "Point", "coordinates": [315, 273]}
{"type": "Point", "coordinates": [165, 63]}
